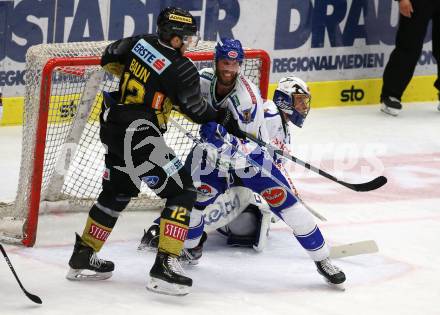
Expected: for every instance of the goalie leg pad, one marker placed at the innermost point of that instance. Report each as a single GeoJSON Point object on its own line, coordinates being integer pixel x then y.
{"type": "Point", "coordinates": [244, 230]}
{"type": "Point", "coordinates": [249, 229]}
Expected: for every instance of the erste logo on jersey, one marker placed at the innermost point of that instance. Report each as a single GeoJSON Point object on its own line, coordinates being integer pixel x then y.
{"type": "Point", "coordinates": [151, 56]}
{"type": "Point", "coordinates": [274, 196]}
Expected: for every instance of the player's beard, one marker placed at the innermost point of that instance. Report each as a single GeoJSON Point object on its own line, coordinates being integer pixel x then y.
{"type": "Point", "coordinates": [227, 82]}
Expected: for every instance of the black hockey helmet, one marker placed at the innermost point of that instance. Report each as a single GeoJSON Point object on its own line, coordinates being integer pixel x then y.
{"type": "Point", "coordinates": [174, 21]}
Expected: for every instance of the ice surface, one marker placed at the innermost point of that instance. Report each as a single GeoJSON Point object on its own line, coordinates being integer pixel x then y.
{"type": "Point", "coordinates": [354, 143]}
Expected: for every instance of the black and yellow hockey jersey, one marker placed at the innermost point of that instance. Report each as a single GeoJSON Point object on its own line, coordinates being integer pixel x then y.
{"type": "Point", "coordinates": [158, 77]}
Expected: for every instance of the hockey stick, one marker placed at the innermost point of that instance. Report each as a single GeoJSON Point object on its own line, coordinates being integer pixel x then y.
{"type": "Point", "coordinates": [248, 159]}
{"type": "Point", "coordinates": [32, 297]}
{"type": "Point", "coordinates": [353, 249]}
{"type": "Point", "coordinates": [311, 210]}
{"type": "Point", "coordinates": [371, 185]}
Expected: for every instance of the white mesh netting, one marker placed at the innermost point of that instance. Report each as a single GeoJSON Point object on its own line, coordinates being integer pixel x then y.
{"type": "Point", "coordinates": [73, 161]}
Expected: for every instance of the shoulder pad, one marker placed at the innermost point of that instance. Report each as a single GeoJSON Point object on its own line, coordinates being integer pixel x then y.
{"type": "Point", "coordinates": [250, 88]}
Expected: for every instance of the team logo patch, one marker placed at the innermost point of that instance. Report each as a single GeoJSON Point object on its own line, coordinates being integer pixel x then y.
{"type": "Point", "coordinates": [150, 56]}
{"type": "Point", "coordinates": [247, 116]}
{"type": "Point", "coordinates": [151, 181]}
{"type": "Point", "coordinates": [205, 189]}
{"type": "Point", "coordinates": [175, 231]}
{"type": "Point", "coordinates": [274, 196]}
{"type": "Point", "coordinates": [232, 54]}
{"type": "Point", "coordinates": [158, 100]}
{"type": "Point", "coordinates": [106, 174]}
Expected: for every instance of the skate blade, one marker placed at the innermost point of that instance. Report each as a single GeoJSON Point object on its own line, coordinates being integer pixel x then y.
{"type": "Point", "coordinates": [337, 286]}
{"type": "Point", "coordinates": [146, 247]}
{"type": "Point", "coordinates": [390, 111]}
{"type": "Point", "coordinates": [189, 262]}
{"type": "Point", "coordinates": [163, 287]}
{"type": "Point", "coordinates": [87, 275]}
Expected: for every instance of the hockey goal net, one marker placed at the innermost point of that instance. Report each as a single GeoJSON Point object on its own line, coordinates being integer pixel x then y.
{"type": "Point", "coordinates": [62, 160]}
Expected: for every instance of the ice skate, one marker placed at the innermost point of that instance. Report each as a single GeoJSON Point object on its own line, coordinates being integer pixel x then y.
{"type": "Point", "coordinates": [438, 106]}
{"type": "Point", "coordinates": [391, 105]}
{"type": "Point", "coordinates": [85, 265]}
{"type": "Point", "coordinates": [150, 239]}
{"type": "Point", "coordinates": [332, 274]}
{"type": "Point", "coordinates": [168, 277]}
{"type": "Point", "coordinates": [191, 256]}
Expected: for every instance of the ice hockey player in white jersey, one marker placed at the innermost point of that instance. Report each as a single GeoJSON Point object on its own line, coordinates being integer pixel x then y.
{"type": "Point", "coordinates": [225, 87]}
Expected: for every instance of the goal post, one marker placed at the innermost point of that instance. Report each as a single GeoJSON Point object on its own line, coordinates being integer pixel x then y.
{"type": "Point", "coordinates": [62, 159]}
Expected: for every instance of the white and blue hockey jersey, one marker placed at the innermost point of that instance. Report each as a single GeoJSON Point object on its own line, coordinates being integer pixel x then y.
{"type": "Point", "coordinates": [244, 102]}
{"type": "Point", "coordinates": [277, 129]}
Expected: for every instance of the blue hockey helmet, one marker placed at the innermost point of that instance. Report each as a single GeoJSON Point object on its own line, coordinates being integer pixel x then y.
{"type": "Point", "coordinates": [292, 97]}
{"type": "Point", "coordinates": [230, 49]}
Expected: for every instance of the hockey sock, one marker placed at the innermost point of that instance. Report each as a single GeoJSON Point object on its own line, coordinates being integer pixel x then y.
{"type": "Point", "coordinates": [98, 227]}
{"type": "Point", "coordinates": [196, 227]}
{"type": "Point", "coordinates": [174, 222]}
{"type": "Point", "coordinates": [306, 231]}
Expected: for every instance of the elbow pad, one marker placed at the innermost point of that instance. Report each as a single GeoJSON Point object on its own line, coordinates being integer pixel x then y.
{"type": "Point", "coordinates": [189, 96]}
{"type": "Point", "coordinates": [117, 50]}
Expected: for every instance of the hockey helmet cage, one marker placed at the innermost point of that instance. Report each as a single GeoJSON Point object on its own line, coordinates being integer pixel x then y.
{"type": "Point", "coordinates": [174, 21]}
{"type": "Point", "coordinates": [292, 96]}
{"type": "Point", "coordinates": [229, 49]}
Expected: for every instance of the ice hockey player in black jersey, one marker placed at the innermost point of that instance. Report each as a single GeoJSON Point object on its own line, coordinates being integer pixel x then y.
{"type": "Point", "coordinates": [155, 78]}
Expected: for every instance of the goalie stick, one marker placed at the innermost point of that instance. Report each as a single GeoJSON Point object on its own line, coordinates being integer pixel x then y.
{"type": "Point", "coordinates": [252, 162]}
{"type": "Point", "coordinates": [371, 185]}
{"type": "Point", "coordinates": [353, 249]}
{"type": "Point", "coordinates": [32, 297]}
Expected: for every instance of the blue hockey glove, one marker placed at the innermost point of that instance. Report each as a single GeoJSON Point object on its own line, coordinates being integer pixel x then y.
{"type": "Point", "coordinates": [213, 133]}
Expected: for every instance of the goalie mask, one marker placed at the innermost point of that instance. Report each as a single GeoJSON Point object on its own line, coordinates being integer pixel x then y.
{"type": "Point", "coordinates": [177, 22]}
{"type": "Point", "coordinates": [292, 97]}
